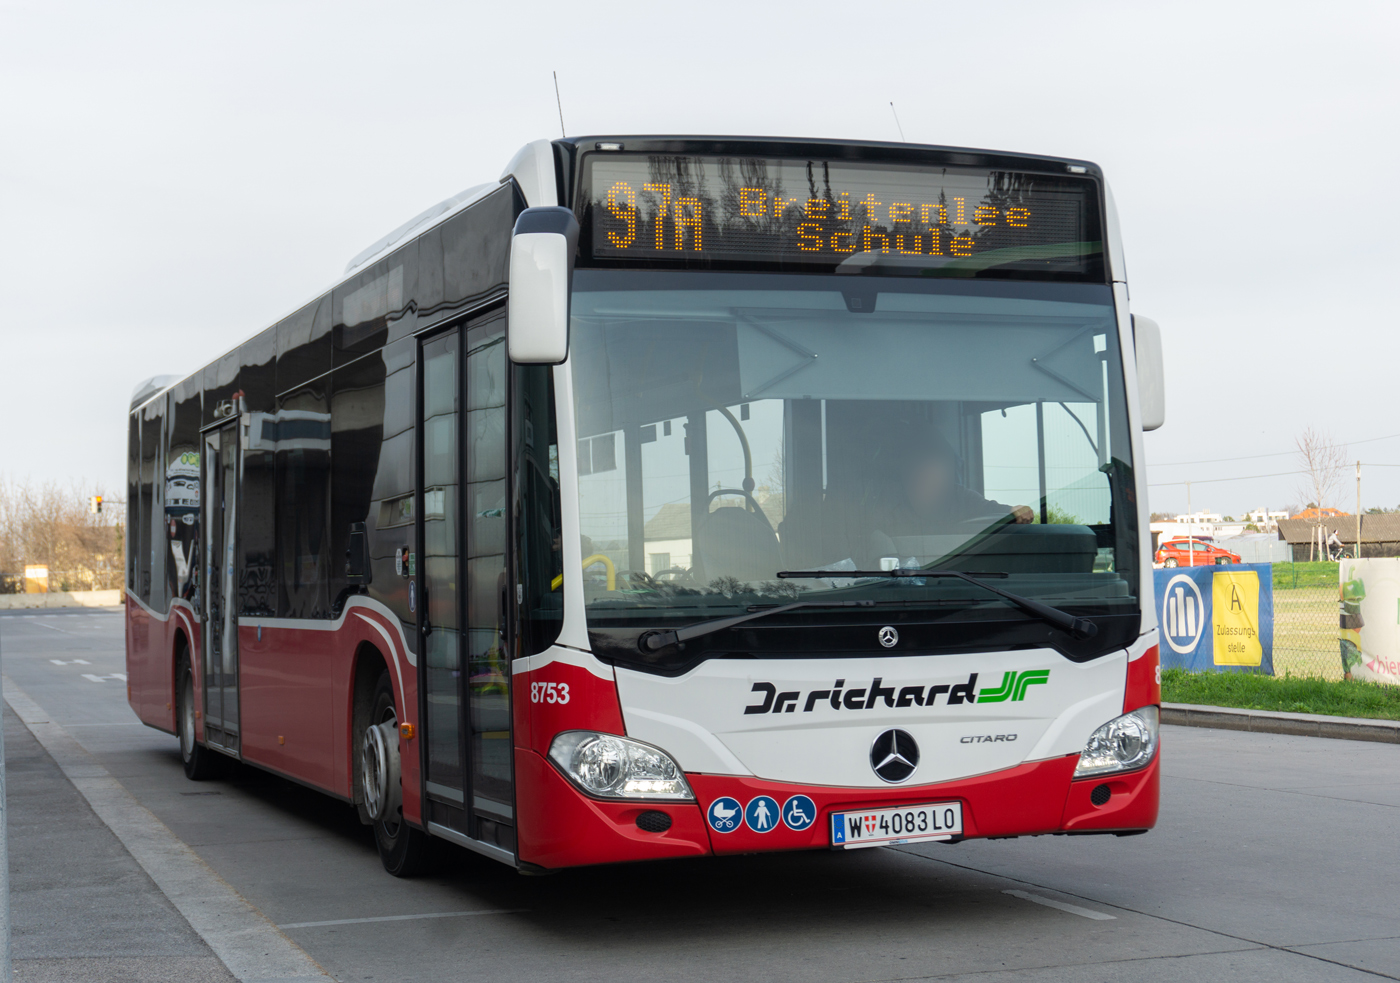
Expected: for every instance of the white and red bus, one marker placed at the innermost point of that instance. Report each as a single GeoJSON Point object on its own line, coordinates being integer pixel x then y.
{"type": "Point", "coordinates": [677, 496]}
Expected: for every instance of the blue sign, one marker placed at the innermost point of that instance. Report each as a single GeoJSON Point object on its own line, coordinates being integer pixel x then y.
{"type": "Point", "coordinates": [799, 812]}
{"type": "Point", "coordinates": [1216, 618]}
{"type": "Point", "coordinates": [762, 814]}
{"type": "Point", "coordinates": [725, 814]}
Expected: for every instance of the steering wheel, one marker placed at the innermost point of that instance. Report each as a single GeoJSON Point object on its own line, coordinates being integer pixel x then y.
{"type": "Point", "coordinates": [988, 521]}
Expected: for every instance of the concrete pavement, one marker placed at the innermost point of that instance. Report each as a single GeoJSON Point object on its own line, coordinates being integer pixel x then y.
{"type": "Point", "coordinates": [82, 908]}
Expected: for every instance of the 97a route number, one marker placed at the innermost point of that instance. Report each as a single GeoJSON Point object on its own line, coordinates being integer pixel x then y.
{"type": "Point", "coordinates": [549, 692]}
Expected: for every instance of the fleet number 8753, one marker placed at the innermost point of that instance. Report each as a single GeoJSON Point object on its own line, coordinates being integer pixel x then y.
{"type": "Point", "coordinates": [549, 692]}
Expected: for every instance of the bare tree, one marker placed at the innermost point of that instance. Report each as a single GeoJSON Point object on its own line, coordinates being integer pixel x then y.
{"type": "Point", "coordinates": [1323, 464]}
{"type": "Point", "coordinates": [53, 527]}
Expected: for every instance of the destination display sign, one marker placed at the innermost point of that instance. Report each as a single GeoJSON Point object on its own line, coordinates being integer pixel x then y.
{"type": "Point", "coordinates": [902, 218]}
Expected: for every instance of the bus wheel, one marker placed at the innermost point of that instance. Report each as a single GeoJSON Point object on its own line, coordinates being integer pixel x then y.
{"type": "Point", "coordinates": [201, 763]}
{"type": "Point", "coordinates": [402, 849]}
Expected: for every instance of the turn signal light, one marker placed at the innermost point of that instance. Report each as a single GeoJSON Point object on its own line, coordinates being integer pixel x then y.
{"type": "Point", "coordinates": [406, 731]}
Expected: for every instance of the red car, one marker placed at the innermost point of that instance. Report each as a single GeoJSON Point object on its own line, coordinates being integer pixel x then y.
{"type": "Point", "coordinates": [1193, 553]}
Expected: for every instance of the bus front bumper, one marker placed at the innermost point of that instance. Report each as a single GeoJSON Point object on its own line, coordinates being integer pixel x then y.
{"type": "Point", "coordinates": [561, 827]}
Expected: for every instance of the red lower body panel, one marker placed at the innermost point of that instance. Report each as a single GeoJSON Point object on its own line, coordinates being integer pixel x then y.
{"type": "Point", "coordinates": [560, 827]}
{"type": "Point", "coordinates": [296, 689]}
{"type": "Point", "coordinates": [1132, 802]}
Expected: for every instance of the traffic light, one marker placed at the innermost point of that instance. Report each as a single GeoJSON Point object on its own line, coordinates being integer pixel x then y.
{"type": "Point", "coordinates": [95, 504]}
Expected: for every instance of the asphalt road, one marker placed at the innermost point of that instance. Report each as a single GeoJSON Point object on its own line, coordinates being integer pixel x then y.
{"type": "Point", "coordinates": [1276, 858]}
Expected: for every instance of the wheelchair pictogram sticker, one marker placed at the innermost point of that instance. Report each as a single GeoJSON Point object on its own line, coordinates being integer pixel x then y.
{"type": "Point", "coordinates": [799, 812]}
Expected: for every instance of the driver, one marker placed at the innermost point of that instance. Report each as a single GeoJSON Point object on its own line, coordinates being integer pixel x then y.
{"type": "Point", "coordinates": [924, 496]}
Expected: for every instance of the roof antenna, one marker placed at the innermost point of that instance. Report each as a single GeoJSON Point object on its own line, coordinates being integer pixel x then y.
{"type": "Point", "coordinates": [896, 123]}
{"type": "Point", "coordinates": [559, 102]}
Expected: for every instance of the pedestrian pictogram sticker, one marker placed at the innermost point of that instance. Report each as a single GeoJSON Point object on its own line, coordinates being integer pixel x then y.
{"type": "Point", "coordinates": [762, 814]}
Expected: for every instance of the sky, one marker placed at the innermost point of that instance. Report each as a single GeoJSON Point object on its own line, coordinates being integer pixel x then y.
{"type": "Point", "coordinates": [177, 176]}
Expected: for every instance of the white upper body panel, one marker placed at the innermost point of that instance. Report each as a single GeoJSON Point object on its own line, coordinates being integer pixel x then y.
{"type": "Point", "coordinates": [699, 718]}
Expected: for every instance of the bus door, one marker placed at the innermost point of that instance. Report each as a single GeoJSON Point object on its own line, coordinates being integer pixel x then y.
{"type": "Point", "coordinates": [219, 609]}
{"type": "Point", "coordinates": [466, 673]}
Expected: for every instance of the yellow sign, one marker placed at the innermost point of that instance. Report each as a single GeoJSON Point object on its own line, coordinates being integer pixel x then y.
{"type": "Point", "coordinates": [1235, 596]}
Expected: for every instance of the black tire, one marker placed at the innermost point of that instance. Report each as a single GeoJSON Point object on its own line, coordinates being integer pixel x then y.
{"type": "Point", "coordinates": [1170, 562]}
{"type": "Point", "coordinates": [200, 762]}
{"type": "Point", "coordinates": [1223, 561]}
{"type": "Point", "coordinates": [403, 849]}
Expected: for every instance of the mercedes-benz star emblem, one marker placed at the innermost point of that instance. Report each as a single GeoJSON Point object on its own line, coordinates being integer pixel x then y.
{"type": "Point", "coordinates": [894, 756]}
{"type": "Point", "coordinates": [889, 638]}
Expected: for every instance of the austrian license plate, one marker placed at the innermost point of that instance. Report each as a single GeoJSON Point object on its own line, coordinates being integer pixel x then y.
{"type": "Point", "coordinates": [907, 824]}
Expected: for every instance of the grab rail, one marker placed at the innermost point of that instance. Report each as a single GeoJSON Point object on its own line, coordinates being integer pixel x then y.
{"type": "Point", "coordinates": [588, 562]}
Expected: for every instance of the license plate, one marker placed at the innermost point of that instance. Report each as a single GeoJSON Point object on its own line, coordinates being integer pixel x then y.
{"type": "Point", "coordinates": [907, 824]}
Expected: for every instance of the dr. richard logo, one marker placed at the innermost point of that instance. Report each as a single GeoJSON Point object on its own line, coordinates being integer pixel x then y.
{"type": "Point", "coordinates": [1012, 688]}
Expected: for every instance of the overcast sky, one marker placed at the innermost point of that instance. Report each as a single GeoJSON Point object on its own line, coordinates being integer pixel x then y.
{"type": "Point", "coordinates": [176, 176]}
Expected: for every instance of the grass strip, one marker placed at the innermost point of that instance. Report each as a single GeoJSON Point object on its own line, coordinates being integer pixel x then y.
{"type": "Point", "coordinates": [1291, 576]}
{"type": "Point", "coordinates": [1289, 693]}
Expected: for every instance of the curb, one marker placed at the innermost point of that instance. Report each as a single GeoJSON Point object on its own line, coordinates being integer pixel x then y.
{"type": "Point", "coordinates": [1279, 722]}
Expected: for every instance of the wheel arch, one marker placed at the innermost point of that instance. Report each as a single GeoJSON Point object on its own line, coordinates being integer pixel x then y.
{"type": "Point", "coordinates": [182, 654]}
{"type": "Point", "coordinates": [368, 665]}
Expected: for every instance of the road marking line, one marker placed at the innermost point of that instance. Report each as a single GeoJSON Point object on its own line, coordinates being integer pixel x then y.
{"type": "Point", "coordinates": [250, 946]}
{"type": "Point", "coordinates": [71, 662]}
{"type": "Point", "coordinates": [1097, 916]}
{"type": "Point", "coordinates": [92, 677]}
{"type": "Point", "coordinates": [40, 624]}
{"type": "Point", "coordinates": [404, 918]}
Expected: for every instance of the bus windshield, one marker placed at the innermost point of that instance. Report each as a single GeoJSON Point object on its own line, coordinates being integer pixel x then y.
{"type": "Point", "coordinates": [733, 427]}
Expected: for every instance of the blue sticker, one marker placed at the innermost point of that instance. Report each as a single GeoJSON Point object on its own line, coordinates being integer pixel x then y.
{"type": "Point", "coordinates": [725, 814]}
{"type": "Point", "coordinates": [799, 812]}
{"type": "Point", "coordinates": [762, 814]}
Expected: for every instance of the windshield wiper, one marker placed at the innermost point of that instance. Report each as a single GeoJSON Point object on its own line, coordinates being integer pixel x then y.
{"type": "Point", "coordinates": [1078, 627]}
{"type": "Point", "coordinates": [652, 641]}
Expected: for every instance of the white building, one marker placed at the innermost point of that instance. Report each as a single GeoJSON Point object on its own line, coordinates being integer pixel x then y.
{"type": "Point", "coordinates": [1266, 521]}
{"type": "Point", "coordinates": [1214, 526]}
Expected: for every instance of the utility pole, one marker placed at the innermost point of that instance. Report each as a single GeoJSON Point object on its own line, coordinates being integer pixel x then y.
{"type": "Point", "coordinates": [1190, 527]}
{"type": "Point", "coordinates": [1357, 554]}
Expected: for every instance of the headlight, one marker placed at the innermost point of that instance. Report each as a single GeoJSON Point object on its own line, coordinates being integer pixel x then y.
{"type": "Point", "coordinates": [614, 767]}
{"type": "Point", "coordinates": [1122, 744]}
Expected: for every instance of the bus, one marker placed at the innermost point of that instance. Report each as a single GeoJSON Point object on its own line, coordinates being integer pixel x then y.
{"type": "Point", "coordinates": [677, 497]}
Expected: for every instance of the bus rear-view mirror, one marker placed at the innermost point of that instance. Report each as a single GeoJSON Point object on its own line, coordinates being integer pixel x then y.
{"type": "Point", "coordinates": [541, 273]}
{"type": "Point", "coordinates": [1152, 386]}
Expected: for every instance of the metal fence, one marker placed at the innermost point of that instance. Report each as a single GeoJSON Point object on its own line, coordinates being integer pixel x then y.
{"type": "Point", "coordinates": [1306, 620]}
{"type": "Point", "coordinates": [1261, 548]}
